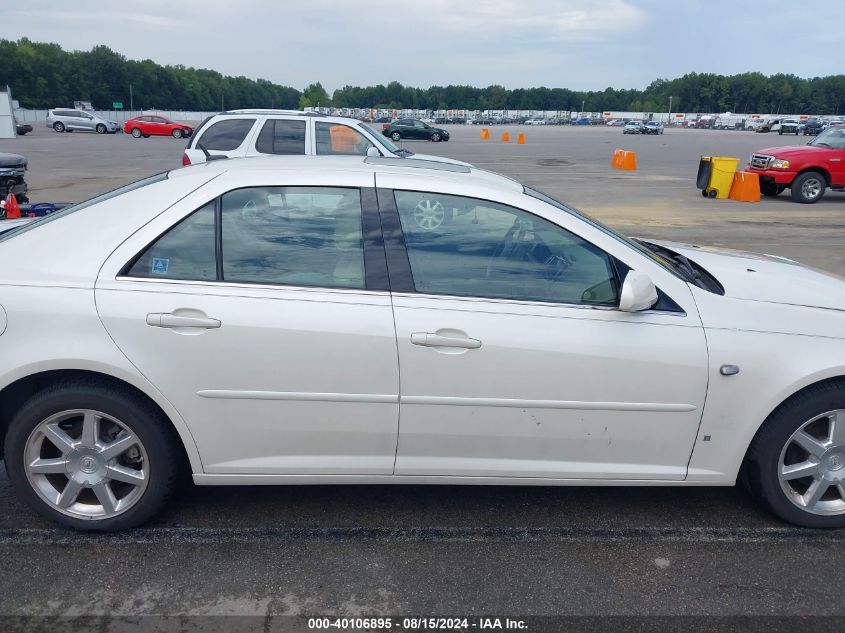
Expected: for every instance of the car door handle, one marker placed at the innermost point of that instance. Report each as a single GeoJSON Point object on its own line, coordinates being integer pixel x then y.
{"type": "Point", "coordinates": [169, 320]}
{"type": "Point", "coordinates": [427, 339]}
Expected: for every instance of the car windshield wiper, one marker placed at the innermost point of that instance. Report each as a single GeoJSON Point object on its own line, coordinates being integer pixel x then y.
{"type": "Point", "coordinates": [404, 152]}
{"type": "Point", "coordinates": [678, 262]}
{"type": "Point", "coordinates": [818, 144]}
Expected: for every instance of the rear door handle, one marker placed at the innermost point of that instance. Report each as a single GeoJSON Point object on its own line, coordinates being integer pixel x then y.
{"type": "Point", "coordinates": [427, 339]}
{"type": "Point", "coordinates": [169, 320]}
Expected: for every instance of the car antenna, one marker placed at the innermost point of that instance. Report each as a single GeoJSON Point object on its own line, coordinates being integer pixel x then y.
{"type": "Point", "coordinates": [208, 156]}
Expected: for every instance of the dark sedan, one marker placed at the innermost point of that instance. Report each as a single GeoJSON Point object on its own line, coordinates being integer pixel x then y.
{"type": "Point", "coordinates": [813, 127]}
{"type": "Point", "coordinates": [22, 128]}
{"type": "Point", "coordinates": [415, 129]}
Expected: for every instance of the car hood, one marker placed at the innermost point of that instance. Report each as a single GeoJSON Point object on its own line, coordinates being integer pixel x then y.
{"type": "Point", "coordinates": [12, 160]}
{"type": "Point", "coordinates": [789, 151]}
{"type": "Point", "coordinates": [766, 278]}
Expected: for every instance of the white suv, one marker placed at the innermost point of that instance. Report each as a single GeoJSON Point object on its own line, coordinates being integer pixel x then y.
{"type": "Point", "coordinates": [241, 133]}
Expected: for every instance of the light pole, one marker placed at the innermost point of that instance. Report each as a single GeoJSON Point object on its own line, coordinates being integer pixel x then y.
{"type": "Point", "coordinates": [582, 108]}
{"type": "Point", "coordinates": [670, 108]}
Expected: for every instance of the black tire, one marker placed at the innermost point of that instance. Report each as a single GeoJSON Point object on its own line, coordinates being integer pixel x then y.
{"type": "Point", "coordinates": [762, 462]}
{"type": "Point", "coordinates": [158, 437]}
{"type": "Point", "coordinates": [780, 132]}
{"type": "Point", "coordinates": [396, 136]}
{"type": "Point", "coordinates": [176, 133]}
{"type": "Point", "coordinates": [101, 129]}
{"type": "Point", "coordinates": [435, 137]}
{"type": "Point", "coordinates": [135, 132]}
{"type": "Point", "coordinates": [771, 189]}
{"type": "Point", "coordinates": [712, 193]}
{"type": "Point", "coordinates": [804, 184]}
{"type": "Point", "coordinates": [59, 126]}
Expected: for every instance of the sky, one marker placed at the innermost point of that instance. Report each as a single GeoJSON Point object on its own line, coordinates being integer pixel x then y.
{"type": "Point", "coordinates": [576, 44]}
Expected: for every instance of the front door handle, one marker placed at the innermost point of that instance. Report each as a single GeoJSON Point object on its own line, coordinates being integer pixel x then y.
{"type": "Point", "coordinates": [427, 339]}
{"type": "Point", "coordinates": [169, 320]}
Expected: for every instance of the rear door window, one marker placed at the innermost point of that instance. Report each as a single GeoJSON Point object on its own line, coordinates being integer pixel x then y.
{"type": "Point", "coordinates": [283, 137]}
{"type": "Point", "coordinates": [226, 135]}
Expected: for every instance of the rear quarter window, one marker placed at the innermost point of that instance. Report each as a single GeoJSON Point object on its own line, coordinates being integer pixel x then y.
{"type": "Point", "coordinates": [226, 135]}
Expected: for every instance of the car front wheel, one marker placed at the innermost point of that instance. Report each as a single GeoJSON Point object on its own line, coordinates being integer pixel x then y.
{"type": "Point", "coordinates": [136, 133]}
{"type": "Point", "coordinates": [796, 463]}
{"type": "Point", "coordinates": [101, 129]}
{"type": "Point", "coordinates": [91, 456]}
{"type": "Point", "coordinates": [177, 133]}
{"type": "Point", "coordinates": [808, 187]}
{"type": "Point", "coordinates": [435, 137]}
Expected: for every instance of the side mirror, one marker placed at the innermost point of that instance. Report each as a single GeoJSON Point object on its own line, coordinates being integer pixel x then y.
{"type": "Point", "coordinates": [638, 292]}
{"type": "Point", "coordinates": [373, 151]}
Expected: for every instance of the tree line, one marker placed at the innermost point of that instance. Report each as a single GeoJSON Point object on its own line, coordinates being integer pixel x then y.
{"type": "Point", "coordinates": [43, 75]}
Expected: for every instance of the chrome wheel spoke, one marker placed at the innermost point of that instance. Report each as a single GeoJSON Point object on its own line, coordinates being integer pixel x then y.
{"type": "Point", "coordinates": [809, 444]}
{"type": "Point", "coordinates": [796, 471]}
{"type": "Point", "coordinates": [126, 475]}
{"type": "Point", "coordinates": [69, 494]}
{"type": "Point", "coordinates": [44, 466]}
{"type": "Point", "coordinates": [115, 448]}
{"type": "Point", "coordinates": [90, 430]}
{"type": "Point", "coordinates": [58, 438]}
{"type": "Point", "coordinates": [837, 428]}
{"type": "Point", "coordinates": [815, 492]}
{"type": "Point", "coordinates": [105, 496]}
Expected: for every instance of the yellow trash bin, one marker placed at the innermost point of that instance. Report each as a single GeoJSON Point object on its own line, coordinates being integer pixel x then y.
{"type": "Point", "coordinates": [716, 175]}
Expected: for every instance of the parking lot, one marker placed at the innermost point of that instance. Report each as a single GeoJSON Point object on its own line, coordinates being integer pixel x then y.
{"type": "Point", "coordinates": [430, 550]}
{"type": "Point", "coordinates": [571, 163]}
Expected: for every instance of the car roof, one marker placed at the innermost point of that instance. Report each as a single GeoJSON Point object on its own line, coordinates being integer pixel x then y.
{"type": "Point", "coordinates": [296, 113]}
{"type": "Point", "coordinates": [371, 164]}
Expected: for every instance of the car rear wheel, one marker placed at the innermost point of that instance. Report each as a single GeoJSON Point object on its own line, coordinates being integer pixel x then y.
{"type": "Point", "coordinates": [91, 456]}
{"type": "Point", "coordinates": [101, 129]}
{"type": "Point", "coordinates": [808, 187]}
{"type": "Point", "coordinates": [136, 133]}
{"type": "Point", "coordinates": [59, 126]}
{"type": "Point", "coordinates": [796, 463]}
{"type": "Point", "coordinates": [396, 136]}
{"type": "Point", "coordinates": [177, 133]}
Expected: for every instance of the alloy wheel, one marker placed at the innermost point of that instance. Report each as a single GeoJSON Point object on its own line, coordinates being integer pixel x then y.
{"type": "Point", "coordinates": [429, 214]}
{"type": "Point", "coordinates": [86, 464]}
{"type": "Point", "coordinates": [811, 188]}
{"type": "Point", "coordinates": [811, 469]}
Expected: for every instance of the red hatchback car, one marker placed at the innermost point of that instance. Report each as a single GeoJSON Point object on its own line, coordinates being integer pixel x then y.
{"type": "Point", "coordinates": [155, 125]}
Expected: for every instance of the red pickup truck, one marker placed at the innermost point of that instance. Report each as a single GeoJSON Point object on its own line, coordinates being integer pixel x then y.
{"type": "Point", "coordinates": [807, 170]}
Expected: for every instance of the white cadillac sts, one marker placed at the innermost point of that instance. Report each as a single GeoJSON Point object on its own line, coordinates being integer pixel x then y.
{"type": "Point", "coordinates": [384, 320]}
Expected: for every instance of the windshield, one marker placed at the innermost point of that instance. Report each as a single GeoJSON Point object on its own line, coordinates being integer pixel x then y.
{"type": "Point", "coordinates": [661, 261]}
{"type": "Point", "coordinates": [833, 138]}
{"type": "Point", "coordinates": [83, 205]}
{"type": "Point", "coordinates": [381, 140]}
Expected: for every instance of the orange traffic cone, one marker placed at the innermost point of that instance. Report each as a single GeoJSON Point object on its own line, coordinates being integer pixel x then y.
{"type": "Point", "coordinates": [745, 187]}
{"type": "Point", "coordinates": [506, 137]}
{"type": "Point", "coordinates": [616, 161]}
{"type": "Point", "coordinates": [629, 160]}
{"type": "Point", "coordinates": [12, 208]}
{"type": "Point", "coordinates": [520, 140]}
{"type": "Point", "coordinates": [485, 134]}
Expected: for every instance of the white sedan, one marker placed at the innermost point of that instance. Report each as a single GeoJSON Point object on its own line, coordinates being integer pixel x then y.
{"type": "Point", "coordinates": [304, 321]}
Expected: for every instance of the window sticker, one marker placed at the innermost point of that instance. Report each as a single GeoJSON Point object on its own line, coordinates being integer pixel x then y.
{"type": "Point", "coordinates": [160, 266]}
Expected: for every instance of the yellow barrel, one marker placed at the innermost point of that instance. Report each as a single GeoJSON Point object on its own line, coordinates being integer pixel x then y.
{"type": "Point", "coordinates": [721, 175]}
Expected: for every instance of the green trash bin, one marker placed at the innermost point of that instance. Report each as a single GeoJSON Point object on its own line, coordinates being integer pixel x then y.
{"type": "Point", "coordinates": [716, 175]}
